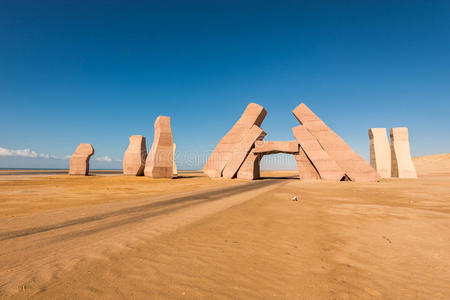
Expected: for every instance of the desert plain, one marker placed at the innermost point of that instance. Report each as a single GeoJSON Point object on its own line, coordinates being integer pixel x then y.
{"type": "Point", "coordinates": [114, 237]}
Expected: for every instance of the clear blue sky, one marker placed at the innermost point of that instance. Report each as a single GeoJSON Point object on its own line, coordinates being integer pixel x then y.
{"type": "Point", "coordinates": [100, 71]}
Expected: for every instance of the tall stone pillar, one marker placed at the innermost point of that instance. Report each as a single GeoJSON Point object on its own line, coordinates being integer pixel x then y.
{"type": "Point", "coordinates": [159, 163]}
{"type": "Point", "coordinates": [380, 152]}
{"type": "Point", "coordinates": [134, 157]}
{"type": "Point", "coordinates": [402, 164]}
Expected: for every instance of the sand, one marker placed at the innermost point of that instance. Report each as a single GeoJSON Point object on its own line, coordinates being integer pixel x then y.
{"type": "Point", "coordinates": [340, 240]}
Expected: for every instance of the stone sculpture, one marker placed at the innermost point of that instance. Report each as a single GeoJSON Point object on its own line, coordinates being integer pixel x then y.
{"type": "Point", "coordinates": [306, 170]}
{"type": "Point", "coordinates": [79, 162]}
{"type": "Point", "coordinates": [327, 168]}
{"type": "Point", "coordinates": [274, 147]}
{"type": "Point", "coordinates": [250, 166]}
{"type": "Point", "coordinates": [240, 151]}
{"type": "Point", "coordinates": [319, 152]}
{"type": "Point", "coordinates": [175, 169]}
{"type": "Point", "coordinates": [253, 115]}
{"type": "Point", "coordinates": [353, 165]}
{"type": "Point", "coordinates": [159, 162]}
{"type": "Point", "coordinates": [380, 152]}
{"type": "Point", "coordinates": [402, 164]}
{"type": "Point", "coordinates": [134, 157]}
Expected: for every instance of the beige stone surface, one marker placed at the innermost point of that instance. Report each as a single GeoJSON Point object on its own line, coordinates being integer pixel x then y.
{"type": "Point", "coordinates": [354, 166]}
{"type": "Point", "coordinates": [402, 165]}
{"type": "Point", "coordinates": [274, 147]}
{"type": "Point", "coordinates": [254, 114]}
{"type": "Point", "coordinates": [175, 169]}
{"type": "Point", "coordinates": [240, 151]}
{"type": "Point", "coordinates": [79, 162]}
{"type": "Point", "coordinates": [159, 163]}
{"type": "Point", "coordinates": [306, 169]}
{"type": "Point", "coordinates": [250, 168]}
{"type": "Point", "coordinates": [327, 168]}
{"type": "Point", "coordinates": [134, 157]}
{"type": "Point", "coordinates": [380, 152]}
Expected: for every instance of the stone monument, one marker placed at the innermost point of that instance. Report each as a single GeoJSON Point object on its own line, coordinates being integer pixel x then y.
{"type": "Point", "coordinates": [79, 162]}
{"type": "Point", "coordinates": [402, 164]}
{"type": "Point", "coordinates": [380, 152]}
{"type": "Point", "coordinates": [159, 162]}
{"type": "Point", "coordinates": [134, 157]}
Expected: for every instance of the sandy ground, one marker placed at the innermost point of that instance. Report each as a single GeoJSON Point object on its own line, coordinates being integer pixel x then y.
{"type": "Point", "coordinates": [240, 240]}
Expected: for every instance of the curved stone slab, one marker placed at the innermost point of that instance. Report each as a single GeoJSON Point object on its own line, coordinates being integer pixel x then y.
{"type": "Point", "coordinates": [306, 169]}
{"type": "Point", "coordinates": [254, 114]}
{"type": "Point", "coordinates": [380, 152]}
{"type": "Point", "coordinates": [241, 150]}
{"type": "Point", "coordinates": [354, 166]}
{"type": "Point", "coordinates": [159, 162]}
{"type": "Point", "coordinates": [79, 162]}
{"type": "Point", "coordinates": [327, 168]}
{"type": "Point", "coordinates": [402, 164]}
{"type": "Point", "coordinates": [134, 157]}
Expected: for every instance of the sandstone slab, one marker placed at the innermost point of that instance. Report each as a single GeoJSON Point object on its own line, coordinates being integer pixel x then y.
{"type": "Point", "coordinates": [380, 152]}
{"type": "Point", "coordinates": [306, 169]}
{"type": "Point", "coordinates": [175, 169]}
{"type": "Point", "coordinates": [254, 114]}
{"type": "Point", "coordinates": [354, 166]}
{"type": "Point", "coordinates": [274, 147]}
{"type": "Point", "coordinates": [250, 168]}
{"type": "Point", "coordinates": [79, 162]}
{"type": "Point", "coordinates": [240, 151]}
{"type": "Point", "coordinates": [402, 164]}
{"type": "Point", "coordinates": [159, 162]}
{"type": "Point", "coordinates": [327, 168]}
{"type": "Point", "coordinates": [134, 157]}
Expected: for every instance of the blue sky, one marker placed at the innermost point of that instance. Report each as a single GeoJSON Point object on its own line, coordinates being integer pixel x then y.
{"type": "Point", "coordinates": [100, 71]}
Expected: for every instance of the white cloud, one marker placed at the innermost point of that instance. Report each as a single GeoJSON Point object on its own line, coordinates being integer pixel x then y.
{"type": "Point", "coordinates": [104, 158]}
{"type": "Point", "coordinates": [29, 153]}
{"type": "Point", "coordinates": [20, 153]}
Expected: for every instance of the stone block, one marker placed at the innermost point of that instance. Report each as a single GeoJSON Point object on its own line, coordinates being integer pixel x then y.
{"type": "Point", "coordinates": [380, 152]}
{"type": "Point", "coordinates": [134, 157]}
{"type": "Point", "coordinates": [79, 162]}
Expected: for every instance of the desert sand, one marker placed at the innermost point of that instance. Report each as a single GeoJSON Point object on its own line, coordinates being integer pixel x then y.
{"type": "Point", "coordinates": [122, 237]}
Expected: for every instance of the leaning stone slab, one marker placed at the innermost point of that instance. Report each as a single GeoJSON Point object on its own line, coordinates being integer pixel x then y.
{"type": "Point", "coordinates": [380, 152]}
{"type": "Point", "coordinates": [240, 151]}
{"type": "Point", "coordinates": [402, 164]}
{"type": "Point", "coordinates": [327, 168]}
{"type": "Point", "coordinates": [354, 166]}
{"type": "Point", "coordinates": [306, 169]}
{"type": "Point", "coordinates": [250, 168]}
{"type": "Point", "coordinates": [274, 147]}
{"type": "Point", "coordinates": [159, 163]}
{"type": "Point", "coordinates": [134, 157]}
{"type": "Point", "coordinates": [79, 162]}
{"type": "Point", "coordinates": [254, 114]}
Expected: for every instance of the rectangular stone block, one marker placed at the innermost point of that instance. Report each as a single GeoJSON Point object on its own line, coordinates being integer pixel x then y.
{"type": "Point", "coordinates": [273, 147]}
{"type": "Point", "coordinates": [241, 150]}
{"type": "Point", "coordinates": [354, 166]}
{"type": "Point", "coordinates": [380, 152]}
{"type": "Point", "coordinates": [327, 168]}
{"type": "Point", "coordinates": [402, 164]}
